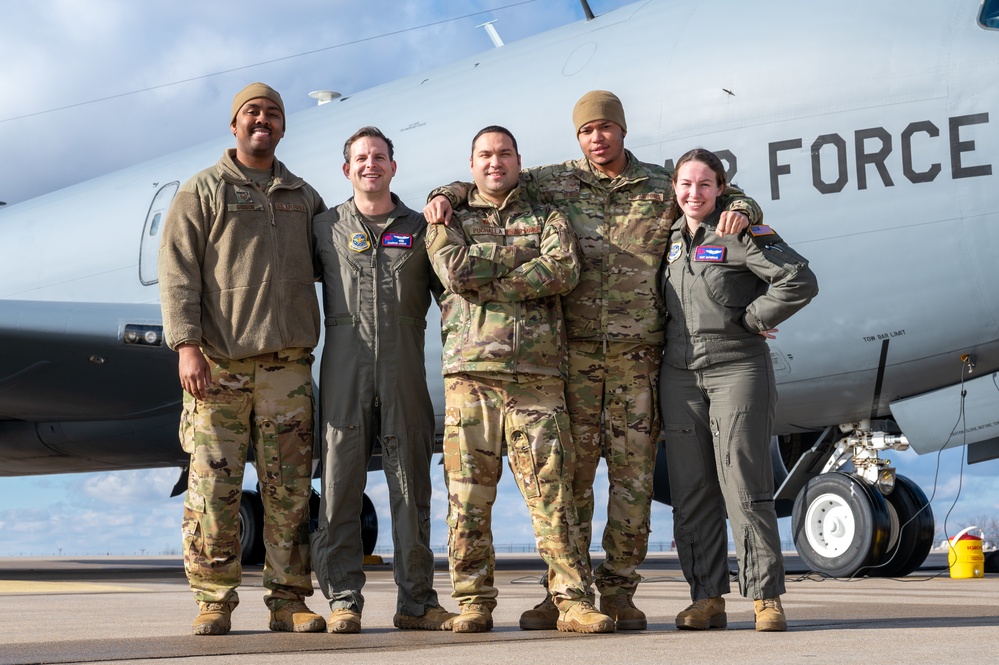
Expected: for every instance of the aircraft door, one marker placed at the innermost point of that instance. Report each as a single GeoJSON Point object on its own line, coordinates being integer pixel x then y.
{"type": "Point", "coordinates": [149, 246]}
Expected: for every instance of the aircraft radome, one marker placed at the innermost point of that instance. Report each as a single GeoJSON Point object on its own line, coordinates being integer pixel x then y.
{"type": "Point", "coordinates": [867, 131]}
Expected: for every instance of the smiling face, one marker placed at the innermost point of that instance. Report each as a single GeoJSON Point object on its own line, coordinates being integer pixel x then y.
{"type": "Point", "coordinates": [370, 168]}
{"type": "Point", "coordinates": [602, 143]}
{"type": "Point", "coordinates": [495, 166]}
{"type": "Point", "coordinates": [258, 128]}
{"type": "Point", "coordinates": [697, 187]}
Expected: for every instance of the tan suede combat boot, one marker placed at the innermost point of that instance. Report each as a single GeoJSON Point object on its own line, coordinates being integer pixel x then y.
{"type": "Point", "coordinates": [703, 614]}
{"type": "Point", "coordinates": [474, 618]}
{"type": "Point", "coordinates": [621, 608]}
{"type": "Point", "coordinates": [213, 619]}
{"type": "Point", "coordinates": [770, 615]}
{"type": "Point", "coordinates": [582, 617]}
{"type": "Point", "coordinates": [294, 616]}
{"type": "Point", "coordinates": [435, 618]}
{"type": "Point", "coordinates": [544, 616]}
{"type": "Point", "coordinates": [344, 620]}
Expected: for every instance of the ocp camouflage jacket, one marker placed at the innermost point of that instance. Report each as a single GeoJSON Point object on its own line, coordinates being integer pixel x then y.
{"type": "Point", "coordinates": [503, 270]}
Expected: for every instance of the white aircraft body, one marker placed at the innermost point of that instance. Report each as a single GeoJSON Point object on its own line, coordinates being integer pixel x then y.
{"type": "Point", "coordinates": [866, 131]}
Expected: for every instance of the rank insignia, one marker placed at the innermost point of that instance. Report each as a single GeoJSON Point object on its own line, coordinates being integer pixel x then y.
{"type": "Point", "coordinates": [760, 230]}
{"type": "Point", "coordinates": [359, 242]}
{"type": "Point", "coordinates": [674, 252]}
{"type": "Point", "coordinates": [242, 195]}
{"type": "Point", "coordinates": [397, 240]}
{"type": "Point", "coordinates": [710, 253]}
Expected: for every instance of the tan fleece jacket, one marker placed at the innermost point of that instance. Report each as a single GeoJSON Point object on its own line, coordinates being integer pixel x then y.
{"type": "Point", "coordinates": [235, 263]}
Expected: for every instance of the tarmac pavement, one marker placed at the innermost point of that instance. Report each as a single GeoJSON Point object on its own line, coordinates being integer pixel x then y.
{"type": "Point", "coordinates": [139, 610]}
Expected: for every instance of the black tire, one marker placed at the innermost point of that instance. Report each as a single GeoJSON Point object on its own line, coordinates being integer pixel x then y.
{"type": "Point", "coordinates": [911, 534]}
{"type": "Point", "coordinates": [840, 525]}
{"type": "Point", "coordinates": [251, 528]}
{"type": "Point", "coordinates": [369, 525]}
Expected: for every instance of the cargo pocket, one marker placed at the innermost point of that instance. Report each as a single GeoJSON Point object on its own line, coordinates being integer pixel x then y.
{"type": "Point", "coordinates": [685, 459]}
{"type": "Point", "coordinates": [187, 416]}
{"type": "Point", "coordinates": [268, 468]}
{"type": "Point", "coordinates": [452, 440]}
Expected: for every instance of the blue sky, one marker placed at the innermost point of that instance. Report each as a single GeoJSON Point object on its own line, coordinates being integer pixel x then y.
{"type": "Point", "coordinates": [65, 53]}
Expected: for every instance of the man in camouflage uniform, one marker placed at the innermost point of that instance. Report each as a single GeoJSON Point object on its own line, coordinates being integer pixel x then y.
{"type": "Point", "coordinates": [239, 306]}
{"type": "Point", "coordinates": [377, 286]}
{"type": "Point", "coordinates": [504, 263]}
{"type": "Point", "coordinates": [617, 206]}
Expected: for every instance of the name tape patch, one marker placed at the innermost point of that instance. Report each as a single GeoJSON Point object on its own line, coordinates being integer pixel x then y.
{"type": "Point", "coordinates": [397, 240]}
{"type": "Point", "coordinates": [710, 253]}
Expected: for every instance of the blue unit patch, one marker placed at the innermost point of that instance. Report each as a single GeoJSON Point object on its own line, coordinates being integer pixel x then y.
{"type": "Point", "coordinates": [674, 251]}
{"type": "Point", "coordinates": [359, 242]}
{"type": "Point", "coordinates": [710, 253]}
{"type": "Point", "coordinates": [397, 240]}
{"type": "Point", "coordinates": [761, 230]}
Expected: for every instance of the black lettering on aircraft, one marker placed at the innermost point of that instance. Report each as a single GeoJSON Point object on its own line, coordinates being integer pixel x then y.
{"type": "Point", "coordinates": [957, 146]}
{"type": "Point", "coordinates": [780, 169]}
{"type": "Point", "coordinates": [908, 169]}
{"type": "Point", "coordinates": [872, 147]}
{"type": "Point", "coordinates": [837, 185]}
{"type": "Point", "coordinates": [878, 158]}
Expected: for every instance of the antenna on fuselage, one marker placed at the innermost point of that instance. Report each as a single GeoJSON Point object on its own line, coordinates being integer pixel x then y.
{"type": "Point", "coordinates": [587, 10]}
{"type": "Point", "coordinates": [324, 96]}
{"type": "Point", "coordinates": [491, 31]}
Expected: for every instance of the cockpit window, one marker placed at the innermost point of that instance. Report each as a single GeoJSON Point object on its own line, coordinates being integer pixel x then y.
{"type": "Point", "coordinates": [150, 244]}
{"type": "Point", "coordinates": [989, 16]}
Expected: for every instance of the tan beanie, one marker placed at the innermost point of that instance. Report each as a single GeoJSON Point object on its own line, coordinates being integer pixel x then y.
{"type": "Point", "coordinates": [598, 105]}
{"type": "Point", "coordinates": [255, 91]}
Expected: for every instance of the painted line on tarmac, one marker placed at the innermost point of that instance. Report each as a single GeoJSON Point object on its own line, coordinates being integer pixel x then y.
{"type": "Point", "coordinates": [25, 586]}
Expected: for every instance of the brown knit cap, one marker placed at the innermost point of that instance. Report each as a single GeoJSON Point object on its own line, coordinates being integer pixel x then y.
{"type": "Point", "coordinates": [255, 91]}
{"type": "Point", "coordinates": [598, 105]}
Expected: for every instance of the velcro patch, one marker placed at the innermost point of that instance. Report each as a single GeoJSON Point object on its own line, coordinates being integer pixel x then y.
{"type": "Point", "coordinates": [498, 231]}
{"type": "Point", "coordinates": [359, 242]}
{"type": "Point", "coordinates": [649, 196]}
{"type": "Point", "coordinates": [710, 253]}
{"type": "Point", "coordinates": [760, 230]}
{"type": "Point", "coordinates": [397, 240]}
{"type": "Point", "coordinates": [290, 207]}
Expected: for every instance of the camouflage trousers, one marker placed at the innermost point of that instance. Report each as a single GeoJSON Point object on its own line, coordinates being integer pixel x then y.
{"type": "Point", "coordinates": [265, 399]}
{"type": "Point", "coordinates": [482, 413]}
{"type": "Point", "coordinates": [612, 400]}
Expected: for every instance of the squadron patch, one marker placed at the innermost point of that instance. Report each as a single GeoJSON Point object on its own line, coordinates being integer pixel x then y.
{"type": "Point", "coordinates": [397, 240]}
{"type": "Point", "coordinates": [674, 252]}
{"type": "Point", "coordinates": [760, 230]}
{"type": "Point", "coordinates": [710, 253]}
{"type": "Point", "coordinates": [359, 242]}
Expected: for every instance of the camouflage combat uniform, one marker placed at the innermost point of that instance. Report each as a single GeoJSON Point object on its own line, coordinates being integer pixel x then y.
{"type": "Point", "coordinates": [504, 365]}
{"type": "Point", "coordinates": [236, 278]}
{"type": "Point", "coordinates": [377, 288]}
{"type": "Point", "coordinates": [719, 399]}
{"type": "Point", "coordinates": [614, 323]}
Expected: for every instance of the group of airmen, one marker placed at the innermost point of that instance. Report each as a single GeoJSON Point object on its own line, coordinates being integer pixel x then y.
{"type": "Point", "coordinates": [559, 287]}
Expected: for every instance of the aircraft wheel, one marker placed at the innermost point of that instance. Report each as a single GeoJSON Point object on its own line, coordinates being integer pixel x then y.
{"type": "Point", "coordinates": [840, 524]}
{"type": "Point", "coordinates": [251, 528]}
{"type": "Point", "coordinates": [911, 530]}
{"type": "Point", "coordinates": [369, 525]}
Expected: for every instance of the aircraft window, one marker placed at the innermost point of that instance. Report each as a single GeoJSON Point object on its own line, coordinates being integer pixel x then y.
{"type": "Point", "coordinates": [149, 246]}
{"type": "Point", "coordinates": [989, 16]}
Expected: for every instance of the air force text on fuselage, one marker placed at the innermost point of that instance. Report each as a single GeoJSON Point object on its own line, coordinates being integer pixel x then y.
{"type": "Point", "coordinates": [868, 157]}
